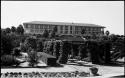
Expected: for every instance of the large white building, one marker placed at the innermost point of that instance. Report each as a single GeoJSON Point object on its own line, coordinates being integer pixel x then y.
{"type": "Point", "coordinates": [63, 28]}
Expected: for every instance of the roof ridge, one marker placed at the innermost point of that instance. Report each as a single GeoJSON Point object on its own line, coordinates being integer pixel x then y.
{"type": "Point", "coordinates": [64, 23]}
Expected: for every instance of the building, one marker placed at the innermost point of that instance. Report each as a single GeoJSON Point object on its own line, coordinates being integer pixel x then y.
{"type": "Point", "coordinates": [63, 28]}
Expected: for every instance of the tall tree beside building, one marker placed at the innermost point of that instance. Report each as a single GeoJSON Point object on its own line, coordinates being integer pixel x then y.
{"type": "Point", "coordinates": [45, 33]}
{"type": "Point", "coordinates": [53, 33]}
{"type": "Point", "coordinates": [83, 31]}
{"type": "Point", "coordinates": [107, 33]}
{"type": "Point", "coordinates": [55, 29]}
{"type": "Point", "coordinates": [20, 29]}
{"type": "Point", "coordinates": [13, 29]}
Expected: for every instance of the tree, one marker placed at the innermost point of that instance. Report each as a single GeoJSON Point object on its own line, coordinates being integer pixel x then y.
{"type": "Point", "coordinates": [7, 30]}
{"type": "Point", "coordinates": [83, 31]}
{"type": "Point", "coordinates": [16, 52]}
{"type": "Point", "coordinates": [6, 44]}
{"type": "Point", "coordinates": [13, 29]}
{"type": "Point", "coordinates": [33, 58]}
{"type": "Point", "coordinates": [45, 33]}
{"type": "Point", "coordinates": [53, 33]}
{"type": "Point", "coordinates": [94, 36]}
{"type": "Point", "coordinates": [20, 29]}
{"type": "Point", "coordinates": [30, 43]}
{"type": "Point", "coordinates": [107, 32]}
{"type": "Point", "coordinates": [55, 29]}
{"type": "Point", "coordinates": [40, 46]}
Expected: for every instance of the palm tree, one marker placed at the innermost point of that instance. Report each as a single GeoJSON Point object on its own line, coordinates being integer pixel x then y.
{"type": "Point", "coordinates": [20, 29]}
{"type": "Point", "coordinates": [8, 30]}
{"type": "Point", "coordinates": [107, 33]}
{"type": "Point", "coordinates": [13, 29]}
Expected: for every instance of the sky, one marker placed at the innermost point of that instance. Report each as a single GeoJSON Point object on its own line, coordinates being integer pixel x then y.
{"type": "Point", "coordinates": [105, 13]}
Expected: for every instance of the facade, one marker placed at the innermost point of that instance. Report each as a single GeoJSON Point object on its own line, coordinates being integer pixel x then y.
{"type": "Point", "coordinates": [38, 27]}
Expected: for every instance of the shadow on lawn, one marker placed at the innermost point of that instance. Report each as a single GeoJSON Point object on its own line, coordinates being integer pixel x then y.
{"type": "Point", "coordinates": [57, 65]}
{"type": "Point", "coordinates": [80, 64]}
{"type": "Point", "coordinates": [121, 76]}
{"type": "Point", "coordinates": [115, 64]}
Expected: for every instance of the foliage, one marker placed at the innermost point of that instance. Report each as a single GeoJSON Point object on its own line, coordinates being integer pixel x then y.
{"type": "Point", "coordinates": [39, 35]}
{"type": "Point", "coordinates": [52, 34]}
{"type": "Point", "coordinates": [33, 59]}
{"type": "Point", "coordinates": [17, 52]}
{"type": "Point", "coordinates": [45, 33]}
{"type": "Point", "coordinates": [40, 46]}
{"type": "Point", "coordinates": [20, 29]}
{"type": "Point", "coordinates": [94, 36]}
{"type": "Point", "coordinates": [7, 30]}
{"type": "Point", "coordinates": [55, 29]}
{"type": "Point", "coordinates": [10, 41]}
{"type": "Point", "coordinates": [65, 49]}
{"type": "Point", "coordinates": [56, 48]}
{"type": "Point", "coordinates": [118, 47]}
{"type": "Point", "coordinates": [8, 60]}
{"type": "Point", "coordinates": [16, 39]}
{"type": "Point", "coordinates": [107, 32]}
{"type": "Point", "coordinates": [6, 44]}
{"type": "Point", "coordinates": [30, 42]}
{"type": "Point", "coordinates": [83, 31]}
{"type": "Point", "coordinates": [59, 49]}
{"type": "Point", "coordinates": [13, 29]}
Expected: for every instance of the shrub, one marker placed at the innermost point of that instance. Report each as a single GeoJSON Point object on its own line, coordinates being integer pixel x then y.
{"type": "Point", "coordinates": [33, 59]}
{"type": "Point", "coordinates": [30, 42]}
{"type": "Point", "coordinates": [40, 46]}
{"type": "Point", "coordinates": [17, 52]}
{"type": "Point", "coordinates": [8, 60]}
{"type": "Point", "coordinates": [64, 51]}
{"type": "Point", "coordinates": [6, 44]}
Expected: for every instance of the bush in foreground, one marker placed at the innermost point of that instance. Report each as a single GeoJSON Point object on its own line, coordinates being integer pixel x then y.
{"type": "Point", "coordinates": [8, 60]}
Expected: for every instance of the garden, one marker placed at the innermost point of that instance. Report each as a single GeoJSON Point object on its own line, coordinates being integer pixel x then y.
{"type": "Point", "coordinates": [17, 49]}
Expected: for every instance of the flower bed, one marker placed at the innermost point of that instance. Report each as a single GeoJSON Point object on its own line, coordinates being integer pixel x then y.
{"type": "Point", "coordinates": [44, 74]}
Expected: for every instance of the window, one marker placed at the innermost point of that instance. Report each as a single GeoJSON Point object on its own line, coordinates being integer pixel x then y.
{"type": "Point", "coordinates": [70, 27]}
{"type": "Point", "coordinates": [61, 27]}
{"type": "Point", "coordinates": [36, 26]}
{"type": "Point", "coordinates": [70, 32]}
{"type": "Point", "coordinates": [76, 32]}
{"type": "Point", "coordinates": [41, 30]}
{"type": "Point", "coordinates": [89, 30]}
{"type": "Point", "coordinates": [66, 27]}
{"type": "Point", "coordinates": [66, 32]}
{"type": "Point", "coordinates": [32, 26]}
{"type": "Point", "coordinates": [45, 26]}
{"type": "Point", "coordinates": [41, 27]}
{"type": "Point", "coordinates": [76, 28]}
{"type": "Point", "coordinates": [61, 31]}
{"type": "Point", "coordinates": [26, 26]}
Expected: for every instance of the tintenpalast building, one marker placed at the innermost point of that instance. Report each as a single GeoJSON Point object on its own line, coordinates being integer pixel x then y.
{"type": "Point", "coordinates": [63, 28]}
